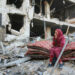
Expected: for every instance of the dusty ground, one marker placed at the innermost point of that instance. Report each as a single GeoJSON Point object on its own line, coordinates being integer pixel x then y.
{"type": "Point", "coordinates": [37, 68]}
{"type": "Point", "coordinates": [16, 51]}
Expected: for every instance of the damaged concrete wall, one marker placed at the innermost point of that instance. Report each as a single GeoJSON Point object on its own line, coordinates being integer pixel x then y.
{"type": "Point", "coordinates": [9, 9]}
{"type": "Point", "coordinates": [26, 10]}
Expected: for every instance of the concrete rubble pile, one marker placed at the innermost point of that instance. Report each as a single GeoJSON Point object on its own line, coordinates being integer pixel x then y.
{"type": "Point", "coordinates": [24, 19]}
{"type": "Point", "coordinates": [13, 62]}
{"type": "Point", "coordinates": [37, 68]}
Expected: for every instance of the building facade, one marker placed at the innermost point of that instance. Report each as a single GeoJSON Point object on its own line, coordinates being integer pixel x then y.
{"type": "Point", "coordinates": [32, 18]}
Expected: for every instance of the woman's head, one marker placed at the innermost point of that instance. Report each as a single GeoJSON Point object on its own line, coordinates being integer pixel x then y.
{"type": "Point", "coordinates": [58, 33]}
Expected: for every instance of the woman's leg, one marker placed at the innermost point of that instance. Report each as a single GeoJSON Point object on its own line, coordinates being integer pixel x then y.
{"type": "Point", "coordinates": [57, 53]}
{"type": "Point", "coordinates": [51, 54]}
{"type": "Point", "coordinates": [51, 57]}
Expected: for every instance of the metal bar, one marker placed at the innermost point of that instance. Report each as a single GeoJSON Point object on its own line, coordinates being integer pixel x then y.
{"type": "Point", "coordinates": [52, 71]}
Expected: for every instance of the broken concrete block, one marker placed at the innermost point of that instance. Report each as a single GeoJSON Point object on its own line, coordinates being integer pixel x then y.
{"type": "Point", "coordinates": [15, 62]}
{"type": "Point", "coordinates": [10, 37]}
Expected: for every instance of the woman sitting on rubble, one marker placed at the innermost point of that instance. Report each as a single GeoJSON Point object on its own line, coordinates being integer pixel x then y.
{"type": "Point", "coordinates": [58, 43]}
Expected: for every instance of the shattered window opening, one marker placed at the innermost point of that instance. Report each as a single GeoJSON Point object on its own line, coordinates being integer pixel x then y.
{"type": "Point", "coordinates": [17, 3]}
{"type": "Point", "coordinates": [16, 21]}
{"type": "Point", "coordinates": [36, 30]}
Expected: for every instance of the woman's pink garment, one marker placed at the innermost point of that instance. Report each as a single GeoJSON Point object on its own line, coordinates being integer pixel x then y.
{"type": "Point", "coordinates": [57, 45]}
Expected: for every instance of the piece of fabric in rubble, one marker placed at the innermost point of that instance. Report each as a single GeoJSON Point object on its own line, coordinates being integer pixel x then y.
{"type": "Point", "coordinates": [39, 49]}
{"type": "Point", "coordinates": [58, 44]}
{"type": "Point", "coordinates": [69, 53]}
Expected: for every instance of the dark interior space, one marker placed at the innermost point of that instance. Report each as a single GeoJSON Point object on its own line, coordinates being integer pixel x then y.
{"type": "Point", "coordinates": [70, 12]}
{"type": "Point", "coordinates": [16, 21]}
{"type": "Point", "coordinates": [36, 30]}
{"type": "Point", "coordinates": [57, 4]}
{"type": "Point", "coordinates": [60, 7]}
{"type": "Point", "coordinates": [17, 3]}
{"type": "Point", "coordinates": [43, 8]}
{"type": "Point", "coordinates": [37, 7]}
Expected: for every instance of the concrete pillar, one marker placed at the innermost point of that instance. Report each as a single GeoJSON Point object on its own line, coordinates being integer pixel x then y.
{"type": "Point", "coordinates": [4, 12]}
{"type": "Point", "coordinates": [48, 32]}
{"type": "Point", "coordinates": [47, 9]}
{"type": "Point", "coordinates": [26, 27]}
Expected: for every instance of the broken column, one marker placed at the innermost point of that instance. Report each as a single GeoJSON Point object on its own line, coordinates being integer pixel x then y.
{"type": "Point", "coordinates": [48, 32]}
{"type": "Point", "coordinates": [47, 14]}
{"type": "Point", "coordinates": [47, 9]}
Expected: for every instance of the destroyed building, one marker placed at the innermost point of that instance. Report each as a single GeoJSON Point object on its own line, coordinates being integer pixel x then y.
{"type": "Point", "coordinates": [32, 18]}
{"type": "Point", "coordinates": [22, 20]}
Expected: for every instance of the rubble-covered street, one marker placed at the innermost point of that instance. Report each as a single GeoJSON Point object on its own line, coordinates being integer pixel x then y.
{"type": "Point", "coordinates": [31, 67]}
{"type": "Point", "coordinates": [14, 61]}
{"type": "Point", "coordinates": [27, 28]}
